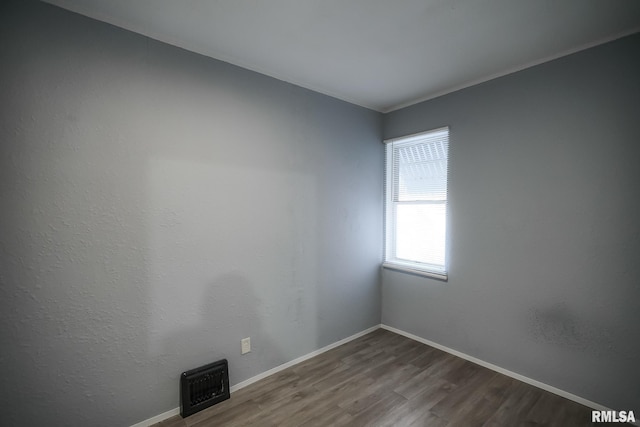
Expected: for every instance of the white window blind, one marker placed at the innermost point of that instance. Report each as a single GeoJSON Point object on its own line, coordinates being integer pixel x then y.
{"type": "Point", "coordinates": [416, 203]}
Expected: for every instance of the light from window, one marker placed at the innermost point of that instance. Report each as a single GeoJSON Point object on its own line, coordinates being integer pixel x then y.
{"type": "Point", "coordinates": [416, 203]}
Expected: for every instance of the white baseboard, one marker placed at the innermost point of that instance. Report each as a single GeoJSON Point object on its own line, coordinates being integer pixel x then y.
{"type": "Point", "coordinates": [240, 385]}
{"type": "Point", "coordinates": [543, 386]}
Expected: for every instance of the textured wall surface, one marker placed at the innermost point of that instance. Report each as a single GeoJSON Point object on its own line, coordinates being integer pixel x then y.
{"type": "Point", "coordinates": [157, 207]}
{"type": "Point", "coordinates": [544, 225]}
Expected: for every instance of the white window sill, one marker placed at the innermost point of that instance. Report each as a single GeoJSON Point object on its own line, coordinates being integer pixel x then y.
{"type": "Point", "coordinates": [425, 273]}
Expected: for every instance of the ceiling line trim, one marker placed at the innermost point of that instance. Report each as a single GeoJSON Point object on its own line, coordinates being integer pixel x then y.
{"type": "Point", "coordinates": [512, 70]}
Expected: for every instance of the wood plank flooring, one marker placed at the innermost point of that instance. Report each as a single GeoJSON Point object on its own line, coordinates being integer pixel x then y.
{"type": "Point", "coordinates": [384, 379]}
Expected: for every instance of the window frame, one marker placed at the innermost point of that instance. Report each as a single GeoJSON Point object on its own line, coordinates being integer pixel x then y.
{"type": "Point", "coordinates": [390, 261]}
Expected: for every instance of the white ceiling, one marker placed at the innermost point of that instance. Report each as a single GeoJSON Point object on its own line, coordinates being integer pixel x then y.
{"type": "Point", "coordinates": [380, 54]}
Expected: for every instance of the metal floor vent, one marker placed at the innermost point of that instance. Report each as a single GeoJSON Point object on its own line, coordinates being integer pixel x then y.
{"type": "Point", "coordinates": [203, 387]}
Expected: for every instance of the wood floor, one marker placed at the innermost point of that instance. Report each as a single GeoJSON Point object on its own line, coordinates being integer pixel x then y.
{"type": "Point", "coordinates": [384, 379]}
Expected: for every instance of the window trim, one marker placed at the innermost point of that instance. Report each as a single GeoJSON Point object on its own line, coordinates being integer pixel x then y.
{"type": "Point", "coordinates": [396, 266]}
{"type": "Point", "coordinates": [389, 209]}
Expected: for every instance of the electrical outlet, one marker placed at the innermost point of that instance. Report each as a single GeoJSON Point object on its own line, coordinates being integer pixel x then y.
{"type": "Point", "coordinates": [246, 345]}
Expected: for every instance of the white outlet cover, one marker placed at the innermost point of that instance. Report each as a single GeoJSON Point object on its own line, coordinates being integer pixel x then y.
{"type": "Point", "coordinates": [246, 345]}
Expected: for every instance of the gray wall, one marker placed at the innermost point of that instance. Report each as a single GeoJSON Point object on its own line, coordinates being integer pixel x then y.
{"type": "Point", "coordinates": [157, 207]}
{"type": "Point", "coordinates": [544, 225]}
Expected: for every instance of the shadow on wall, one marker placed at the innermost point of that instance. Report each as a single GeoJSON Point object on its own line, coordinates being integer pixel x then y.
{"type": "Point", "coordinates": [221, 320]}
{"type": "Point", "coordinates": [226, 262]}
{"type": "Point", "coordinates": [557, 324]}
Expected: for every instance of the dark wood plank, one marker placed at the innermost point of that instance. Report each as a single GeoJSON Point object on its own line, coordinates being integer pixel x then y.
{"type": "Point", "coordinates": [418, 409]}
{"type": "Point", "coordinates": [521, 398]}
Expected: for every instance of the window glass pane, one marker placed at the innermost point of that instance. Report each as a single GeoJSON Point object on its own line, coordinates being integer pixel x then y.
{"type": "Point", "coordinates": [420, 233]}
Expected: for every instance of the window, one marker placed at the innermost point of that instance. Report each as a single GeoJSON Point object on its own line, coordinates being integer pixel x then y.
{"type": "Point", "coordinates": [416, 203]}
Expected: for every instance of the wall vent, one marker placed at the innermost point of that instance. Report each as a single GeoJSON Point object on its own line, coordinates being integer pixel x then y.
{"type": "Point", "coordinates": [203, 387]}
